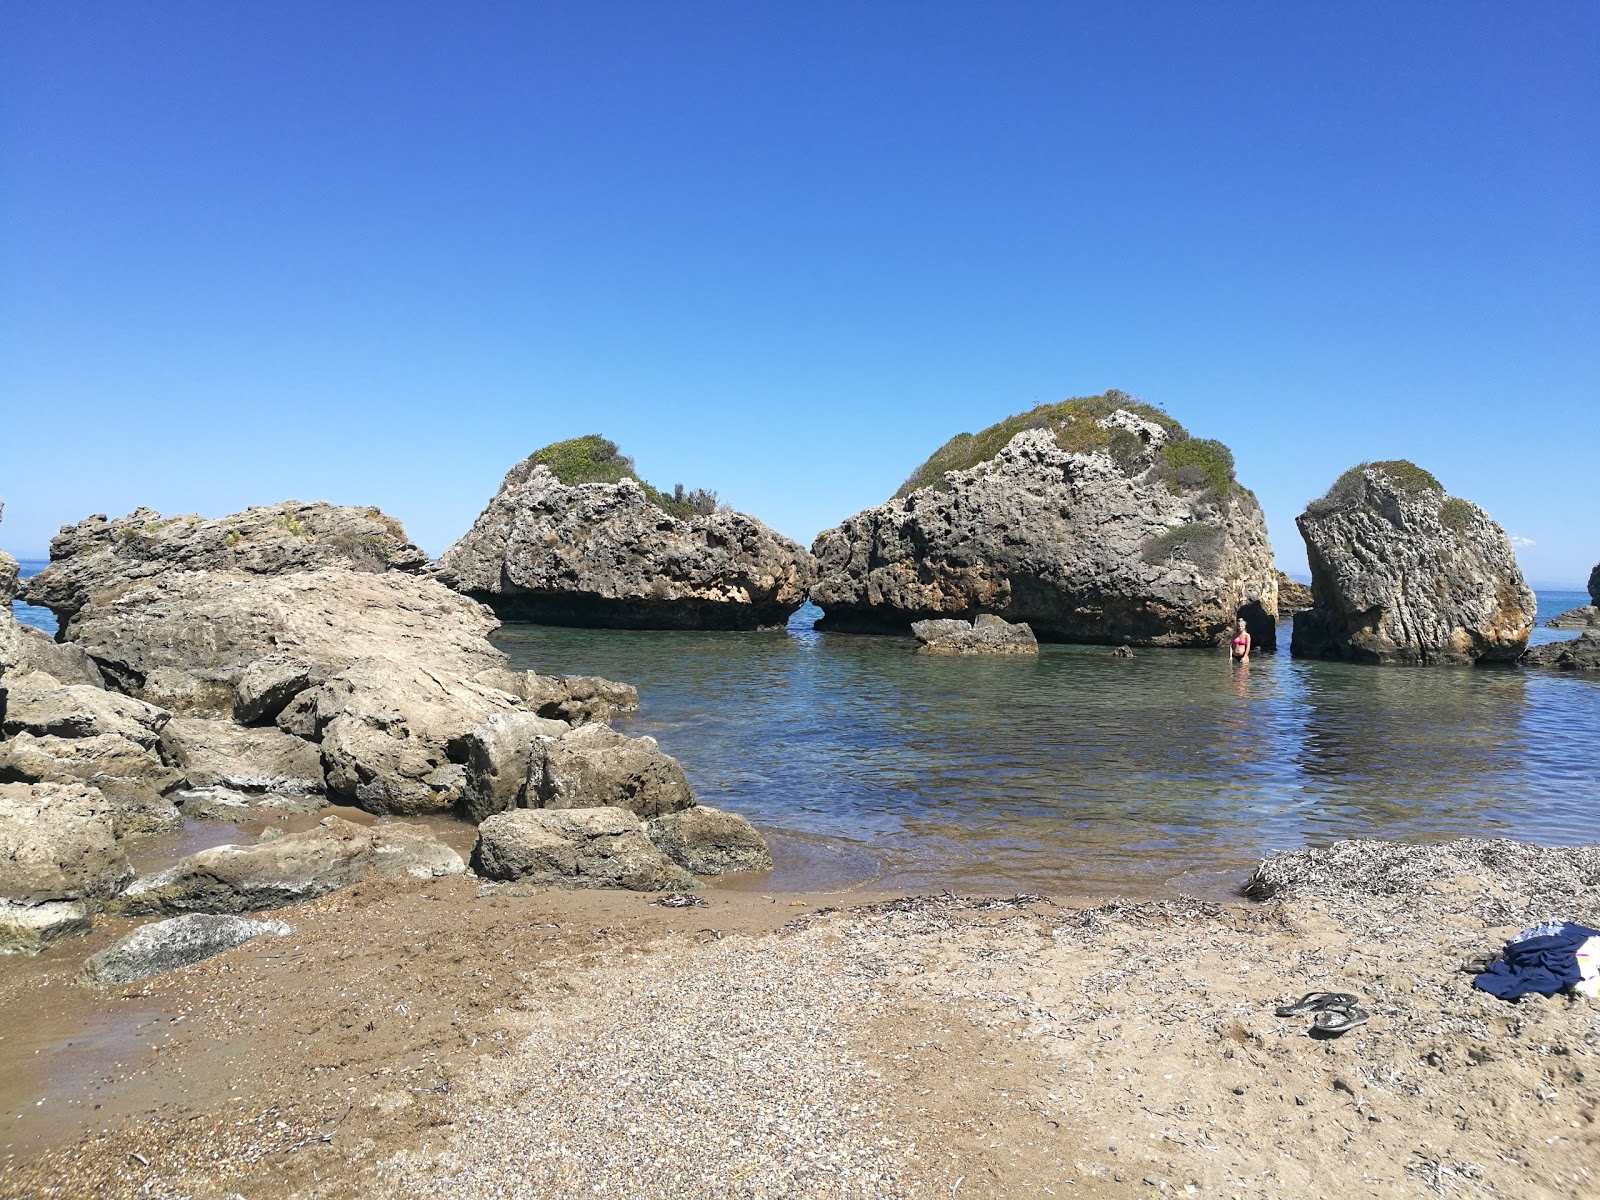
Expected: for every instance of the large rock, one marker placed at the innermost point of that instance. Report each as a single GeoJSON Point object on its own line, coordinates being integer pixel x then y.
{"type": "Point", "coordinates": [24, 649]}
{"type": "Point", "coordinates": [191, 639]}
{"type": "Point", "coordinates": [176, 942]}
{"type": "Point", "coordinates": [1402, 573]}
{"type": "Point", "coordinates": [59, 860]}
{"type": "Point", "coordinates": [1095, 520]}
{"type": "Point", "coordinates": [1582, 653]}
{"type": "Point", "coordinates": [214, 754]}
{"type": "Point", "coordinates": [594, 766]}
{"type": "Point", "coordinates": [708, 841]}
{"type": "Point", "coordinates": [135, 784]}
{"type": "Point", "coordinates": [297, 866]}
{"type": "Point", "coordinates": [505, 763]}
{"type": "Point", "coordinates": [1594, 586]}
{"type": "Point", "coordinates": [575, 848]}
{"type": "Point", "coordinates": [265, 687]}
{"type": "Point", "coordinates": [1585, 616]}
{"type": "Point", "coordinates": [1293, 597]}
{"type": "Point", "coordinates": [38, 704]}
{"type": "Point", "coordinates": [97, 558]}
{"type": "Point", "coordinates": [986, 635]}
{"type": "Point", "coordinates": [575, 699]}
{"type": "Point", "coordinates": [610, 554]}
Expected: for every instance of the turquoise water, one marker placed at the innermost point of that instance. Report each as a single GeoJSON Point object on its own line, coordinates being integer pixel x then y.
{"type": "Point", "coordinates": [868, 765]}
{"type": "Point", "coordinates": [1076, 772]}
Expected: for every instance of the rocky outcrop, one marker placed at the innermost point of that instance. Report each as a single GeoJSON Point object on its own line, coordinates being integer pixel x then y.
{"type": "Point", "coordinates": [297, 866]}
{"type": "Point", "coordinates": [1582, 653]}
{"type": "Point", "coordinates": [164, 946]}
{"type": "Point", "coordinates": [24, 649]}
{"type": "Point", "coordinates": [1096, 520]}
{"type": "Point", "coordinates": [986, 635]}
{"type": "Point", "coordinates": [1403, 573]}
{"type": "Point", "coordinates": [99, 556]}
{"type": "Point", "coordinates": [59, 860]}
{"type": "Point", "coordinates": [609, 555]}
{"type": "Point", "coordinates": [1293, 597]}
{"type": "Point", "coordinates": [214, 754]}
{"type": "Point", "coordinates": [575, 848]}
{"type": "Point", "coordinates": [1594, 586]}
{"type": "Point", "coordinates": [135, 784]}
{"type": "Point", "coordinates": [708, 841]}
{"type": "Point", "coordinates": [1585, 616]}
{"type": "Point", "coordinates": [36, 703]}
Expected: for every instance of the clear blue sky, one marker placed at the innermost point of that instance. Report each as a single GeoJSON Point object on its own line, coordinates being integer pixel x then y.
{"type": "Point", "coordinates": [376, 253]}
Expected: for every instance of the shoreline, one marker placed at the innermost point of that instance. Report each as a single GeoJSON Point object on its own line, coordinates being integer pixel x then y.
{"type": "Point", "coordinates": [396, 1043]}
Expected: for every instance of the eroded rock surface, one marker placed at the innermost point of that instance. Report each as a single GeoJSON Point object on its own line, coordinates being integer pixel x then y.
{"type": "Point", "coordinates": [1585, 616]}
{"type": "Point", "coordinates": [1087, 532]}
{"type": "Point", "coordinates": [1293, 597]}
{"type": "Point", "coordinates": [135, 784]}
{"type": "Point", "coordinates": [39, 704]}
{"type": "Point", "coordinates": [603, 554]}
{"type": "Point", "coordinates": [595, 766]}
{"type": "Point", "coordinates": [1582, 653]}
{"type": "Point", "coordinates": [59, 859]}
{"type": "Point", "coordinates": [212, 754]}
{"type": "Point", "coordinates": [164, 946]}
{"type": "Point", "coordinates": [575, 848]}
{"type": "Point", "coordinates": [1402, 573]}
{"type": "Point", "coordinates": [986, 635]}
{"type": "Point", "coordinates": [708, 841]}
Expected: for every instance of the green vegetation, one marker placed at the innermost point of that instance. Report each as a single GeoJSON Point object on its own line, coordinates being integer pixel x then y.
{"type": "Point", "coordinates": [233, 539]}
{"type": "Point", "coordinates": [1195, 542]}
{"type": "Point", "coordinates": [287, 520]}
{"type": "Point", "coordinates": [594, 459]}
{"type": "Point", "coordinates": [1188, 464]}
{"type": "Point", "coordinates": [1457, 513]}
{"type": "Point", "coordinates": [1346, 491]}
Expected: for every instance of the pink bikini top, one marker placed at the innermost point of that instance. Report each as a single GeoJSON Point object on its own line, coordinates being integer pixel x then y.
{"type": "Point", "coordinates": [1240, 641]}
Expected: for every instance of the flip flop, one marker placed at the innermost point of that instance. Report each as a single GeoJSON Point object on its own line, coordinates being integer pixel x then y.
{"type": "Point", "coordinates": [1339, 1020]}
{"type": "Point", "coordinates": [1315, 1002]}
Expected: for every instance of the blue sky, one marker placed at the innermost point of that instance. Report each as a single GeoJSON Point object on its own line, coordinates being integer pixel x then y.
{"type": "Point", "coordinates": [376, 253]}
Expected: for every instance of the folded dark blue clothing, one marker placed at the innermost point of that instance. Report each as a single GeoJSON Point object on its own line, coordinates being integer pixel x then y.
{"type": "Point", "coordinates": [1544, 964]}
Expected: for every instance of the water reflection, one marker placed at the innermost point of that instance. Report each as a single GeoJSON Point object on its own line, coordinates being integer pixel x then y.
{"type": "Point", "coordinates": [1077, 770]}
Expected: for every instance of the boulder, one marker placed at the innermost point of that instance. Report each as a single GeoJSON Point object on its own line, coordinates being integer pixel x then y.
{"type": "Point", "coordinates": [191, 638]}
{"type": "Point", "coordinates": [594, 766]}
{"type": "Point", "coordinates": [572, 539]}
{"type": "Point", "coordinates": [1594, 586]}
{"type": "Point", "coordinates": [1094, 520]}
{"type": "Point", "coordinates": [986, 635]}
{"type": "Point", "coordinates": [267, 685]}
{"type": "Point", "coordinates": [40, 705]}
{"type": "Point", "coordinates": [176, 942]}
{"type": "Point", "coordinates": [1582, 653]}
{"type": "Point", "coordinates": [575, 699]}
{"type": "Point", "coordinates": [575, 848]}
{"type": "Point", "coordinates": [59, 860]}
{"type": "Point", "coordinates": [1403, 573]}
{"type": "Point", "coordinates": [294, 867]}
{"type": "Point", "coordinates": [133, 781]}
{"type": "Point", "coordinates": [24, 649]}
{"type": "Point", "coordinates": [1585, 616]}
{"type": "Point", "coordinates": [505, 763]}
{"type": "Point", "coordinates": [1293, 597]}
{"type": "Point", "coordinates": [10, 574]}
{"type": "Point", "coordinates": [214, 754]}
{"type": "Point", "coordinates": [707, 841]}
{"type": "Point", "coordinates": [97, 558]}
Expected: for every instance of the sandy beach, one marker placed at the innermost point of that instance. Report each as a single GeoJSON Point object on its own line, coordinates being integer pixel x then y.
{"type": "Point", "coordinates": [450, 1039]}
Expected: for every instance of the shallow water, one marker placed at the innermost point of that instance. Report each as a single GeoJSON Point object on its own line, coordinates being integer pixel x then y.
{"type": "Point", "coordinates": [1079, 773]}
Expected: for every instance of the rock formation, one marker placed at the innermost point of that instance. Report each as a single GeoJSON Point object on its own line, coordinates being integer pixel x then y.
{"type": "Point", "coordinates": [1095, 520]}
{"type": "Point", "coordinates": [167, 945]}
{"type": "Point", "coordinates": [1585, 616]}
{"type": "Point", "coordinates": [1403, 573]}
{"type": "Point", "coordinates": [575, 848]}
{"type": "Point", "coordinates": [59, 861]}
{"type": "Point", "coordinates": [708, 841]}
{"type": "Point", "coordinates": [986, 635]}
{"type": "Point", "coordinates": [1582, 653]}
{"type": "Point", "coordinates": [572, 539]}
{"type": "Point", "coordinates": [1293, 597]}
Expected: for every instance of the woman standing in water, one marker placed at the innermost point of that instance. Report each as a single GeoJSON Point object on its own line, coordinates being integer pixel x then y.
{"type": "Point", "coordinates": [1239, 649]}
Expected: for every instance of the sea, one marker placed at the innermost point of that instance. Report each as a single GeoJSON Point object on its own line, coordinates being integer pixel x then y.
{"type": "Point", "coordinates": [871, 767]}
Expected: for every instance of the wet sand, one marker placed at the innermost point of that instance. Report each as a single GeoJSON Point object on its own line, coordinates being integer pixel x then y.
{"type": "Point", "coordinates": [455, 1040]}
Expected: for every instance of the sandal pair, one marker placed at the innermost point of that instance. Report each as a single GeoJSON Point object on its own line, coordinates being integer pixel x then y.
{"type": "Point", "coordinates": [1336, 1012]}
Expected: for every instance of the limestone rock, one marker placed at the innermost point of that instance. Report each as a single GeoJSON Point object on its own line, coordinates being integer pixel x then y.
{"type": "Point", "coordinates": [1293, 597]}
{"type": "Point", "coordinates": [505, 763]}
{"type": "Point", "coordinates": [605, 554]}
{"type": "Point", "coordinates": [575, 699]}
{"type": "Point", "coordinates": [294, 867]}
{"type": "Point", "coordinates": [222, 754]}
{"type": "Point", "coordinates": [212, 627]}
{"type": "Point", "coordinates": [1586, 616]}
{"type": "Point", "coordinates": [595, 766]}
{"type": "Point", "coordinates": [133, 781]}
{"type": "Point", "coordinates": [59, 859]}
{"type": "Point", "coordinates": [1088, 523]}
{"type": "Point", "coordinates": [1594, 586]}
{"type": "Point", "coordinates": [708, 841]}
{"type": "Point", "coordinates": [38, 704]}
{"type": "Point", "coordinates": [1401, 573]}
{"type": "Point", "coordinates": [986, 635]}
{"type": "Point", "coordinates": [24, 649]}
{"type": "Point", "coordinates": [10, 573]}
{"type": "Point", "coordinates": [1582, 653]}
{"type": "Point", "coordinates": [176, 942]}
{"type": "Point", "coordinates": [575, 848]}
{"type": "Point", "coordinates": [218, 803]}
{"type": "Point", "coordinates": [268, 684]}
{"type": "Point", "coordinates": [97, 558]}
{"type": "Point", "coordinates": [1122, 652]}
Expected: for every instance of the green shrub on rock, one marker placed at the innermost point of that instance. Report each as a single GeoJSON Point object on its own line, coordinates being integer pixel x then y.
{"type": "Point", "coordinates": [595, 459]}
